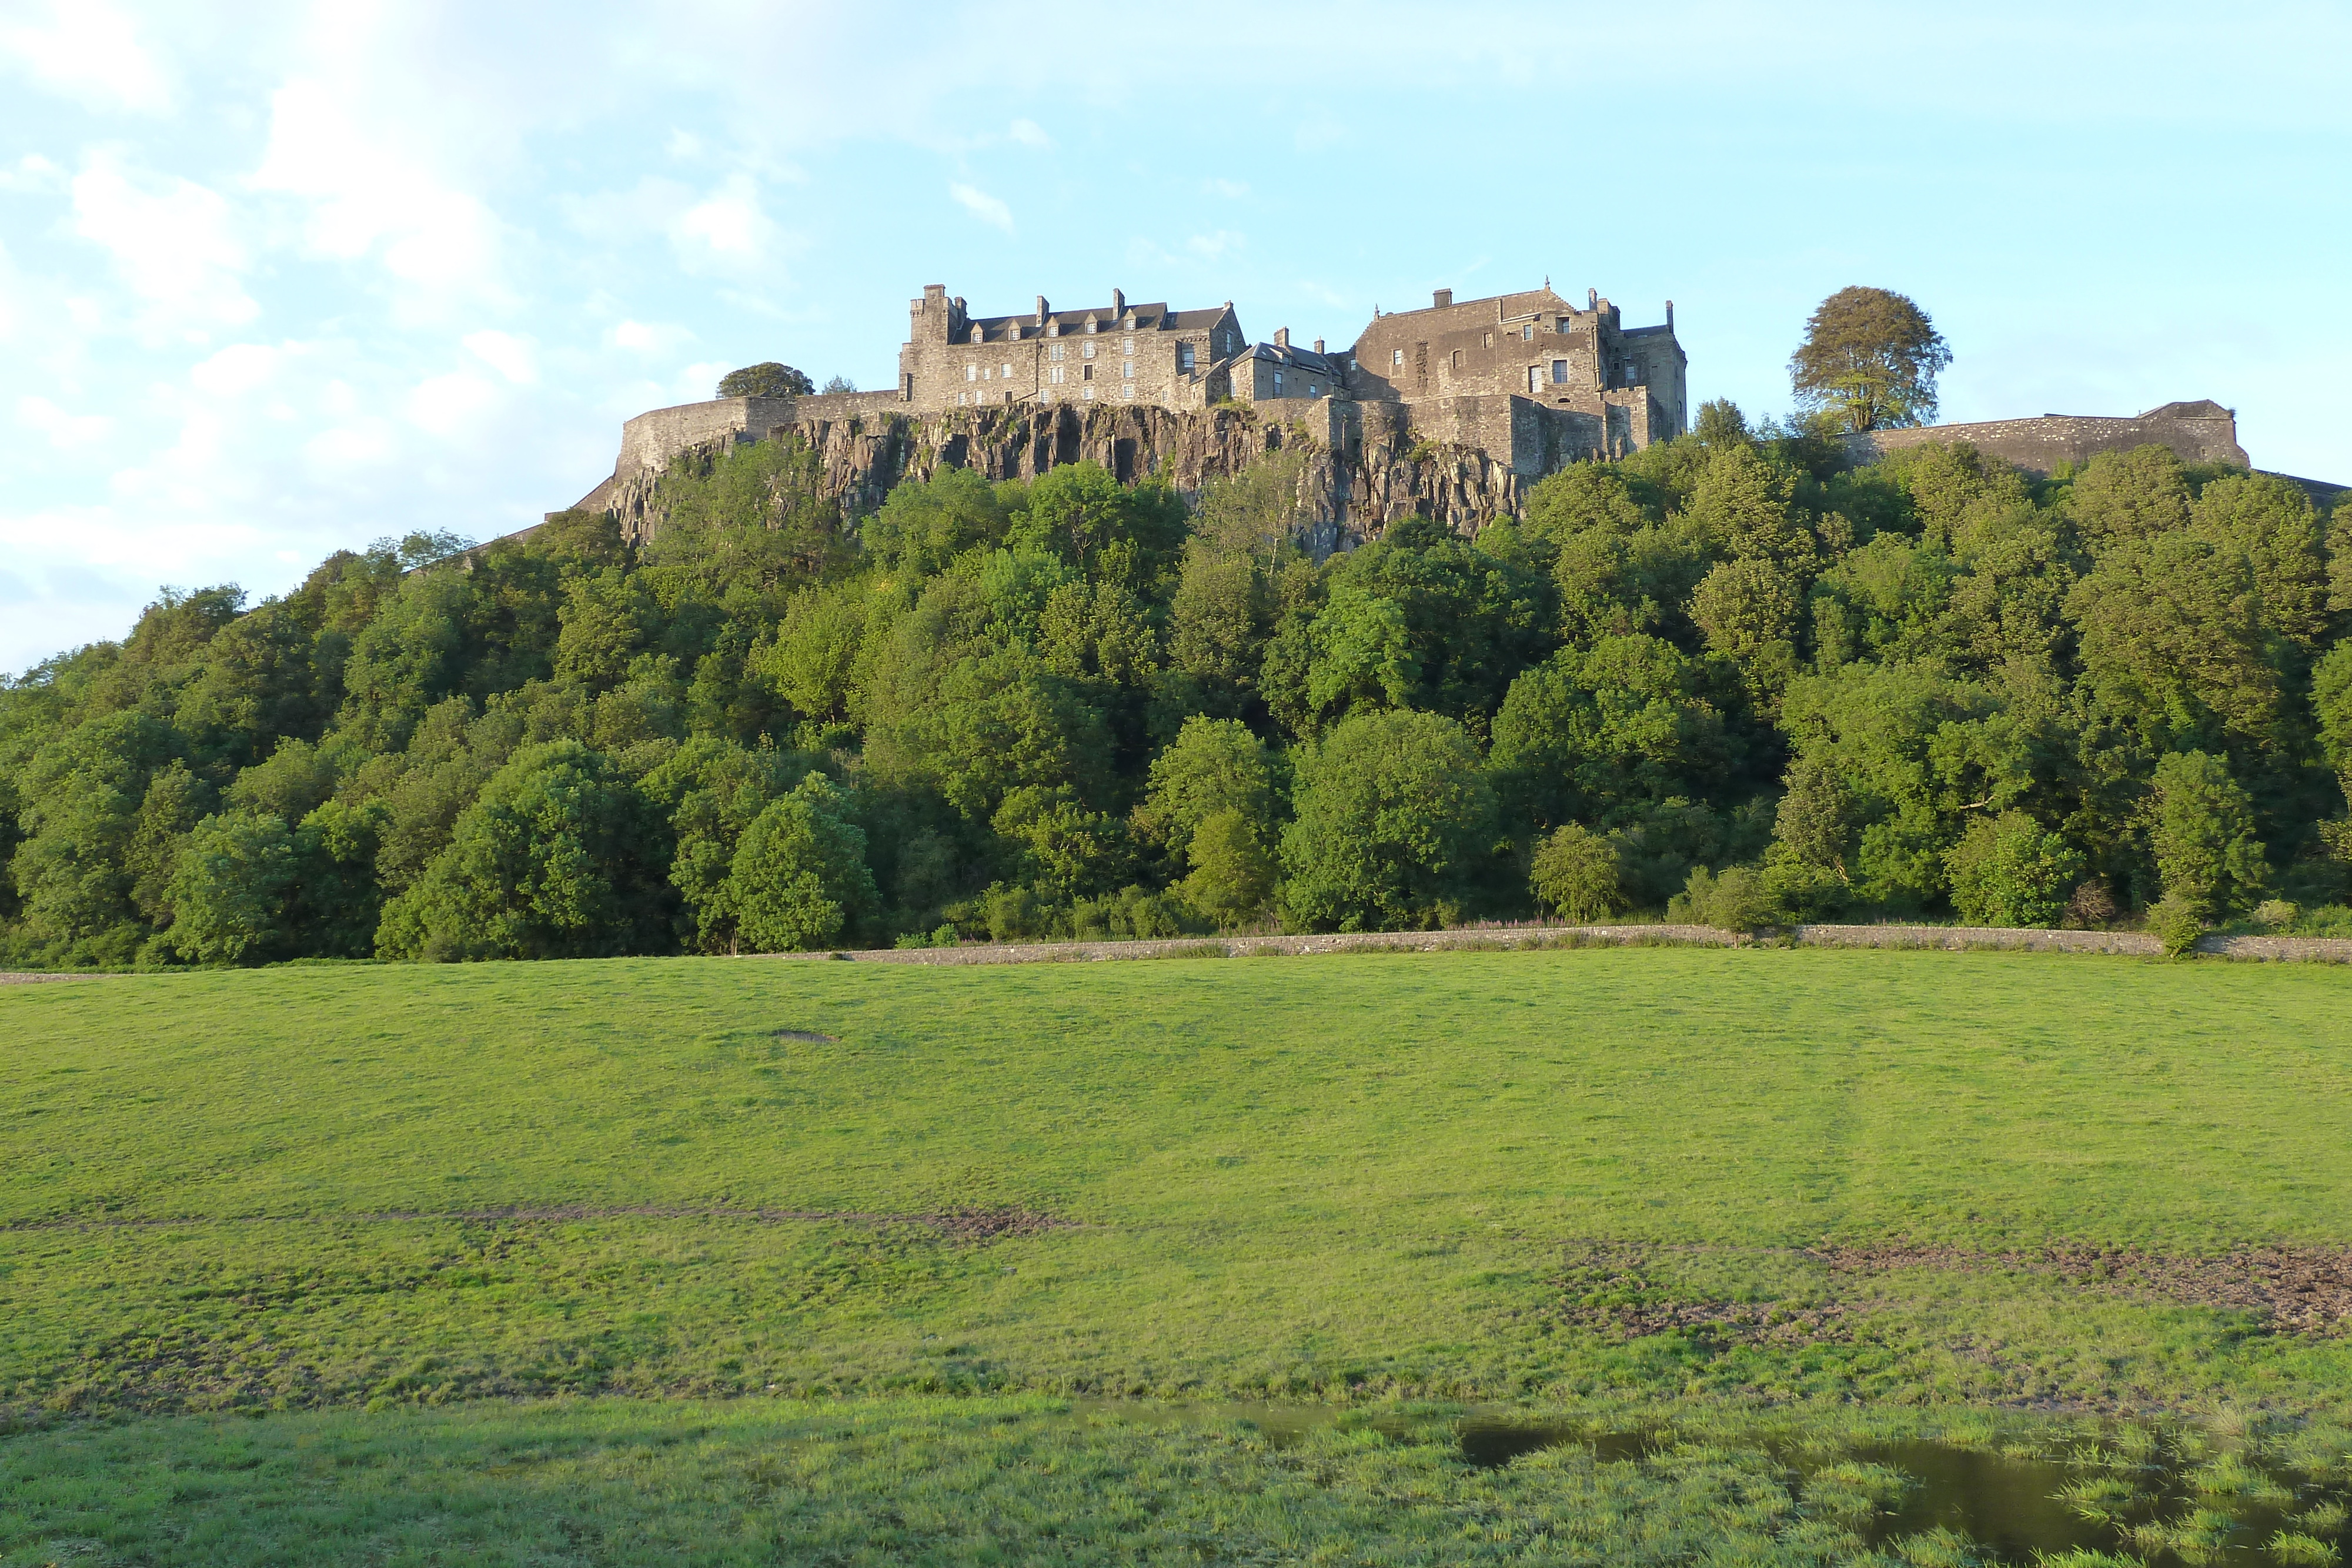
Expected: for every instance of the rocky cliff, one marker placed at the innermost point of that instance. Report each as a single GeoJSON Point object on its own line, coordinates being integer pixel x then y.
{"type": "Point", "coordinates": [1363, 467]}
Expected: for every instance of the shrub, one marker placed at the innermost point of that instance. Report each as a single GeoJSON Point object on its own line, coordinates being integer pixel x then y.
{"type": "Point", "coordinates": [1732, 900]}
{"type": "Point", "coordinates": [1577, 872]}
{"type": "Point", "coordinates": [229, 892]}
{"type": "Point", "coordinates": [2177, 921]}
{"type": "Point", "coordinates": [2009, 870]}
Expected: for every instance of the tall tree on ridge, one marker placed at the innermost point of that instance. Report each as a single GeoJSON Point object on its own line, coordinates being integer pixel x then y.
{"type": "Point", "coordinates": [1870, 358]}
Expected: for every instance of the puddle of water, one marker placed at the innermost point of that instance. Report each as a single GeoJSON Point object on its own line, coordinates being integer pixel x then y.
{"type": "Point", "coordinates": [2010, 1506]}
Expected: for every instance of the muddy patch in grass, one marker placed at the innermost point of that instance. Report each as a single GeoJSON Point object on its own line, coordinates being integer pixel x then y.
{"type": "Point", "coordinates": [805, 1036]}
{"type": "Point", "coordinates": [1632, 1290]}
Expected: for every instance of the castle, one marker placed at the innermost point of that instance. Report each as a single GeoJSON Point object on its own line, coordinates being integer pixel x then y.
{"type": "Point", "coordinates": [1530, 380]}
{"type": "Point", "coordinates": [1451, 410]}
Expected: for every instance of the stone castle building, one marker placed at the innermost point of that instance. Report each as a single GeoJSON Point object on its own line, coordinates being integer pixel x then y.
{"type": "Point", "coordinates": [1529, 380]}
{"type": "Point", "coordinates": [1452, 411]}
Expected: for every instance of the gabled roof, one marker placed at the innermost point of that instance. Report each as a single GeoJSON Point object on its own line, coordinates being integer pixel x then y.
{"type": "Point", "coordinates": [1289, 358]}
{"type": "Point", "coordinates": [1154, 317]}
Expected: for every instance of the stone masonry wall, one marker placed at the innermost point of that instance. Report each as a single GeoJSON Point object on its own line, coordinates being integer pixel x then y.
{"type": "Point", "coordinates": [2039, 445]}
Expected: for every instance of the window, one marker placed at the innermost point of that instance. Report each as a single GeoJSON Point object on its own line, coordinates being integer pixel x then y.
{"type": "Point", "coordinates": [1396, 356]}
{"type": "Point", "coordinates": [1535, 378]}
{"type": "Point", "coordinates": [1490, 340]}
{"type": "Point", "coordinates": [971, 372]}
{"type": "Point", "coordinates": [1528, 332]}
{"type": "Point", "coordinates": [1277, 384]}
{"type": "Point", "coordinates": [1559, 373]}
{"type": "Point", "coordinates": [1089, 394]}
{"type": "Point", "coordinates": [1055, 353]}
{"type": "Point", "coordinates": [1087, 349]}
{"type": "Point", "coordinates": [1457, 359]}
{"type": "Point", "coordinates": [1129, 369]}
{"type": "Point", "coordinates": [1090, 327]}
{"type": "Point", "coordinates": [984, 373]}
{"type": "Point", "coordinates": [1130, 347]}
{"type": "Point", "coordinates": [1054, 375]}
{"type": "Point", "coordinates": [1088, 371]}
{"type": "Point", "coordinates": [959, 397]}
{"type": "Point", "coordinates": [1312, 390]}
{"type": "Point", "coordinates": [1184, 356]}
{"type": "Point", "coordinates": [1008, 371]}
{"type": "Point", "coordinates": [1127, 392]}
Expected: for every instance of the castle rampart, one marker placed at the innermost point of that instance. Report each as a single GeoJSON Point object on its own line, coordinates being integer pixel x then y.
{"type": "Point", "coordinates": [2199, 431]}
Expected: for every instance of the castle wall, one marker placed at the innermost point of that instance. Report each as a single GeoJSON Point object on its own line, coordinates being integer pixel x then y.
{"type": "Point", "coordinates": [2197, 431]}
{"type": "Point", "coordinates": [648, 440]}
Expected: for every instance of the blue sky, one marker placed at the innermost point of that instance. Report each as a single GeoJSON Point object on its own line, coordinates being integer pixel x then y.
{"type": "Point", "coordinates": [277, 280]}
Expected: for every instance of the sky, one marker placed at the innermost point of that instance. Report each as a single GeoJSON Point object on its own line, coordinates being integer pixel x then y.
{"type": "Point", "coordinates": [279, 280]}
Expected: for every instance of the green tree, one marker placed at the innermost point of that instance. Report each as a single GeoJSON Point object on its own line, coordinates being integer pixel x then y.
{"type": "Point", "coordinates": [811, 663]}
{"type": "Point", "coordinates": [2202, 830]}
{"type": "Point", "coordinates": [924, 524]}
{"type": "Point", "coordinates": [1577, 872]}
{"type": "Point", "coordinates": [2009, 869]}
{"type": "Point", "coordinates": [1597, 732]}
{"type": "Point", "coordinates": [1395, 824]}
{"type": "Point", "coordinates": [1233, 871]}
{"type": "Point", "coordinates": [1871, 357]}
{"type": "Point", "coordinates": [2331, 702]}
{"type": "Point", "coordinates": [799, 879]}
{"type": "Point", "coordinates": [2131, 495]}
{"type": "Point", "coordinates": [229, 895]}
{"type": "Point", "coordinates": [557, 857]}
{"type": "Point", "coordinates": [766, 379]}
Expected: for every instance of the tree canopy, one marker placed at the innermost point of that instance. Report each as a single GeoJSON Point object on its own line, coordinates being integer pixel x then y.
{"type": "Point", "coordinates": [1730, 674]}
{"type": "Point", "coordinates": [766, 379]}
{"type": "Point", "coordinates": [1869, 359]}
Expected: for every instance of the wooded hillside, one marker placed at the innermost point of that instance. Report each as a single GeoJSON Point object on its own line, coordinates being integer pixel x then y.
{"type": "Point", "coordinates": [1728, 670]}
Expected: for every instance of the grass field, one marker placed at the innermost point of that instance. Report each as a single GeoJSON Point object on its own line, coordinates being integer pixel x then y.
{"type": "Point", "coordinates": [1600, 1180]}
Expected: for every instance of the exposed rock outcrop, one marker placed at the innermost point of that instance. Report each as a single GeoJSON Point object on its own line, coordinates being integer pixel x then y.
{"type": "Point", "coordinates": [1362, 471]}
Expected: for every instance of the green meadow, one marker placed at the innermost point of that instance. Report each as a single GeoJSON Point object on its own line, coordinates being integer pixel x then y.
{"type": "Point", "coordinates": [592, 1260]}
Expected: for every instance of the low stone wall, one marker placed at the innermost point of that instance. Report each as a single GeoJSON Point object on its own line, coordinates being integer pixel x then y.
{"type": "Point", "coordinates": [1951, 938]}
{"type": "Point", "coordinates": [1958, 937]}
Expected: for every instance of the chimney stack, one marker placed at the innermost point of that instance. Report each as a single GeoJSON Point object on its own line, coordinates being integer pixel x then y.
{"type": "Point", "coordinates": [1440, 299]}
{"type": "Point", "coordinates": [1282, 337]}
{"type": "Point", "coordinates": [1117, 304]}
{"type": "Point", "coordinates": [1592, 299]}
{"type": "Point", "coordinates": [1318, 345]}
{"type": "Point", "coordinates": [1670, 315]}
{"type": "Point", "coordinates": [1042, 310]}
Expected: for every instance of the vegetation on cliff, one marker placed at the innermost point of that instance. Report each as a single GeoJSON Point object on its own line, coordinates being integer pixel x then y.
{"type": "Point", "coordinates": [1744, 674]}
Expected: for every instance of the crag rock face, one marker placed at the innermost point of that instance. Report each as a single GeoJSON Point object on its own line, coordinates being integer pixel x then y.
{"type": "Point", "coordinates": [1361, 474]}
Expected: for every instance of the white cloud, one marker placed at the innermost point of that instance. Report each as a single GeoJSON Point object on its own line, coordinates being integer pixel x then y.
{"type": "Point", "coordinates": [33, 174]}
{"type": "Point", "coordinates": [726, 231]}
{"type": "Point", "coordinates": [367, 195]}
{"type": "Point", "coordinates": [238, 368]}
{"type": "Point", "coordinates": [89, 51]}
{"type": "Point", "coordinates": [1029, 133]}
{"type": "Point", "coordinates": [65, 431]}
{"type": "Point", "coordinates": [509, 355]}
{"type": "Point", "coordinates": [453, 404]}
{"type": "Point", "coordinates": [1215, 246]}
{"type": "Point", "coordinates": [982, 206]}
{"type": "Point", "coordinates": [174, 242]}
{"type": "Point", "coordinates": [649, 337]}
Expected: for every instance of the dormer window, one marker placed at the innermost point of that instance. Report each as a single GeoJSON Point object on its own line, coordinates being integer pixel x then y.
{"type": "Point", "coordinates": [979, 335]}
{"type": "Point", "coordinates": [1090, 323]}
